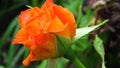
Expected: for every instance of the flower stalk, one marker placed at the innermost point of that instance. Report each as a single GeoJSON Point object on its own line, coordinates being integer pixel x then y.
{"type": "Point", "coordinates": [71, 56]}
{"type": "Point", "coordinates": [77, 62]}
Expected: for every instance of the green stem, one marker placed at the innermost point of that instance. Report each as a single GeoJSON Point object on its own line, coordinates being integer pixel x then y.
{"type": "Point", "coordinates": [77, 62]}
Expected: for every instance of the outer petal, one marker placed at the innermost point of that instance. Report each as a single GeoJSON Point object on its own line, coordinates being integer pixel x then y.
{"type": "Point", "coordinates": [66, 17]}
{"type": "Point", "coordinates": [33, 28]}
{"type": "Point", "coordinates": [54, 24]}
{"type": "Point", "coordinates": [28, 15]}
{"type": "Point", "coordinates": [20, 37]}
{"type": "Point", "coordinates": [48, 4]}
{"type": "Point", "coordinates": [28, 32]}
{"type": "Point", "coordinates": [40, 51]}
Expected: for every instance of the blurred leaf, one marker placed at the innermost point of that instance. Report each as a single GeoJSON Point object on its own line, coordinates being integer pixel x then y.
{"type": "Point", "coordinates": [2, 66]}
{"type": "Point", "coordinates": [17, 57]}
{"type": "Point", "coordinates": [98, 45]}
{"type": "Point", "coordinates": [80, 32]}
{"type": "Point", "coordinates": [30, 7]}
{"type": "Point", "coordinates": [27, 51]}
{"type": "Point", "coordinates": [61, 63]}
{"type": "Point", "coordinates": [83, 20]}
{"type": "Point", "coordinates": [90, 58]}
{"type": "Point", "coordinates": [78, 63]}
{"type": "Point", "coordinates": [15, 6]}
{"type": "Point", "coordinates": [12, 48]}
{"type": "Point", "coordinates": [80, 46]}
{"type": "Point", "coordinates": [42, 64]}
{"type": "Point", "coordinates": [73, 6]}
{"type": "Point", "coordinates": [8, 32]}
{"type": "Point", "coordinates": [104, 36]}
{"type": "Point", "coordinates": [52, 63]}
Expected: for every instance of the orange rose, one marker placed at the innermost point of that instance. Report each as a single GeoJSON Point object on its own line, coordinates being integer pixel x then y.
{"type": "Point", "coordinates": [37, 26]}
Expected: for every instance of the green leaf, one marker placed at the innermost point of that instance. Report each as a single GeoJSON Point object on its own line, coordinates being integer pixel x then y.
{"type": "Point", "coordinates": [80, 32]}
{"type": "Point", "coordinates": [98, 45]}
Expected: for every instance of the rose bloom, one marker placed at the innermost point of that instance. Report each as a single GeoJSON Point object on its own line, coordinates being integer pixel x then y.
{"type": "Point", "coordinates": [37, 26]}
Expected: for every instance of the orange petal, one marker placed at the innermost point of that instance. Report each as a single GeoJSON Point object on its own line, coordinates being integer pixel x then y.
{"type": "Point", "coordinates": [27, 32]}
{"type": "Point", "coordinates": [47, 4]}
{"type": "Point", "coordinates": [56, 25]}
{"type": "Point", "coordinates": [66, 17]}
{"type": "Point", "coordinates": [28, 15]}
{"type": "Point", "coordinates": [42, 51]}
{"type": "Point", "coordinates": [26, 62]}
{"type": "Point", "coordinates": [21, 36]}
{"type": "Point", "coordinates": [65, 33]}
{"type": "Point", "coordinates": [33, 28]}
